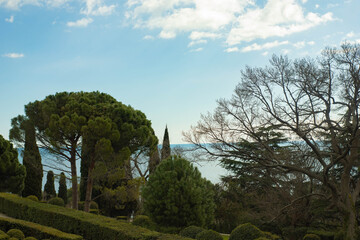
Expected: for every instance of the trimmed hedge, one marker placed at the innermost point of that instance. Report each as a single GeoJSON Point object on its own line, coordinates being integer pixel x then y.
{"type": "Point", "coordinates": [90, 226]}
{"type": "Point", "coordinates": [311, 236]}
{"type": "Point", "coordinates": [36, 230]}
{"type": "Point", "coordinates": [246, 231]}
{"type": "Point", "coordinates": [191, 231]}
{"type": "Point", "coordinates": [16, 233]}
{"type": "Point", "coordinates": [144, 221]}
{"type": "Point", "coordinates": [57, 201]}
{"type": "Point", "coordinates": [209, 235]}
{"type": "Point", "coordinates": [3, 235]}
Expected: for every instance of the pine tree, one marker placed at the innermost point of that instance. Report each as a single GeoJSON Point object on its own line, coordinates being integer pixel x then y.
{"type": "Point", "coordinates": [62, 188]}
{"type": "Point", "coordinates": [49, 189]}
{"type": "Point", "coordinates": [32, 162]}
{"type": "Point", "coordinates": [166, 151]}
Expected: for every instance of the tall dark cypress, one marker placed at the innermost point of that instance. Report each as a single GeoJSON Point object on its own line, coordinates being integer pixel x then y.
{"type": "Point", "coordinates": [32, 162]}
{"type": "Point", "coordinates": [62, 188]}
{"type": "Point", "coordinates": [49, 188]}
{"type": "Point", "coordinates": [165, 151]}
{"type": "Point", "coordinates": [154, 160]}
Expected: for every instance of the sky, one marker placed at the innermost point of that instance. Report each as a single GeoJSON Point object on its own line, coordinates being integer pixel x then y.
{"type": "Point", "coordinates": [171, 59]}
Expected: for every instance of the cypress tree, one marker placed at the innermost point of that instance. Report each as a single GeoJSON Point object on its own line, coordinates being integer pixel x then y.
{"type": "Point", "coordinates": [12, 173]}
{"type": "Point", "coordinates": [154, 160]}
{"type": "Point", "coordinates": [49, 189]}
{"type": "Point", "coordinates": [165, 151]}
{"type": "Point", "coordinates": [32, 162]}
{"type": "Point", "coordinates": [62, 188]}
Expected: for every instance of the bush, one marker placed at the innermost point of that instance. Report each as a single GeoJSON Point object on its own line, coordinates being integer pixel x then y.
{"type": "Point", "coordinates": [176, 195]}
{"type": "Point", "coordinates": [209, 235]}
{"type": "Point", "coordinates": [191, 231]}
{"type": "Point", "coordinates": [30, 238]}
{"type": "Point", "coordinates": [90, 226]}
{"type": "Point", "coordinates": [16, 233]}
{"type": "Point", "coordinates": [311, 236]}
{"type": "Point", "coordinates": [33, 197]}
{"type": "Point", "coordinates": [144, 221]}
{"type": "Point", "coordinates": [3, 235]}
{"type": "Point", "coordinates": [339, 235]}
{"type": "Point", "coordinates": [269, 235]}
{"type": "Point", "coordinates": [57, 201]}
{"type": "Point", "coordinates": [94, 205]}
{"type": "Point", "coordinates": [36, 230]}
{"type": "Point", "coordinates": [324, 235]}
{"type": "Point", "coordinates": [294, 232]}
{"type": "Point", "coordinates": [246, 231]}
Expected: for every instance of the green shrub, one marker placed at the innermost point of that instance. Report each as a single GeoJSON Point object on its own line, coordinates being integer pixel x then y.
{"type": "Point", "coordinates": [13, 238]}
{"type": "Point", "coordinates": [57, 201]}
{"type": "Point", "coordinates": [209, 235]}
{"type": "Point", "coordinates": [294, 232]}
{"type": "Point", "coordinates": [3, 235]}
{"type": "Point", "coordinates": [269, 235]}
{"type": "Point", "coordinates": [144, 221]}
{"type": "Point", "coordinates": [90, 226]}
{"type": "Point", "coordinates": [176, 195]}
{"type": "Point", "coordinates": [168, 229]}
{"type": "Point", "coordinates": [30, 238]}
{"type": "Point", "coordinates": [246, 231]}
{"type": "Point", "coordinates": [324, 235]}
{"type": "Point", "coordinates": [121, 218]}
{"type": "Point", "coordinates": [94, 205]}
{"type": "Point", "coordinates": [36, 230]}
{"type": "Point", "coordinates": [16, 233]}
{"type": "Point", "coordinates": [33, 197]}
{"type": "Point", "coordinates": [191, 231]}
{"type": "Point", "coordinates": [94, 211]}
{"type": "Point", "coordinates": [311, 236]}
{"type": "Point", "coordinates": [262, 238]}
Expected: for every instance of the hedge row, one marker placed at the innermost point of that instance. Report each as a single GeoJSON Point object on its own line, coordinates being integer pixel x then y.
{"type": "Point", "coordinates": [90, 226]}
{"type": "Point", "coordinates": [36, 230]}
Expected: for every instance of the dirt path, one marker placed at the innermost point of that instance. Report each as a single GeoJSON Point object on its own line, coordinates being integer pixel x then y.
{"type": "Point", "coordinates": [4, 216]}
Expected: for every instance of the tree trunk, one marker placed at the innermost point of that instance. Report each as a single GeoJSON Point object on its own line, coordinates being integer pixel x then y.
{"type": "Point", "coordinates": [350, 221]}
{"type": "Point", "coordinates": [74, 183]}
{"type": "Point", "coordinates": [89, 187]}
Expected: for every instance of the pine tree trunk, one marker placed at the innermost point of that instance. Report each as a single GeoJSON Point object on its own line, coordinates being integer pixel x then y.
{"type": "Point", "coordinates": [89, 187]}
{"type": "Point", "coordinates": [74, 183]}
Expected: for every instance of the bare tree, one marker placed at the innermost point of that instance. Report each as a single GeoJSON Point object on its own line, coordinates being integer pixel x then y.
{"type": "Point", "coordinates": [314, 104]}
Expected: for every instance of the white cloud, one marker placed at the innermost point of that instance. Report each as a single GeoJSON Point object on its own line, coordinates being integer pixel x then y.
{"type": "Point", "coordinates": [257, 47]}
{"type": "Point", "coordinates": [311, 43]}
{"type": "Point", "coordinates": [278, 18]}
{"type": "Point", "coordinates": [14, 55]}
{"type": "Point", "coordinates": [10, 19]}
{"type": "Point", "coordinates": [167, 35]}
{"type": "Point", "coordinates": [197, 50]}
{"type": "Point", "coordinates": [97, 8]}
{"type": "Point", "coordinates": [350, 35]}
{"type": "Point", "coordinates": [299, 44]}
{"type": "Point", "coordinates": [17, 4]}
{"type": "Point", "coordinates": [235, 20]}
{"type": "Point", "coordinates": [233, 49]}
{"type": "Point", "coordinates": [195, 35]}
{"type": "Point", "coordinates": [265, 53]}
{"type": "Point", "coordinates": [148, 37]}
{"type": "Point", "coordinates": [285, 51]}
{"type": "Point", "coordinates": [201, 41]}
{"type": "Point", "coordinates": [317, 6]}
{"type": "Point", "coordinates": [56, 3]}
{"type": "Point", "coordinates": [80, 23]}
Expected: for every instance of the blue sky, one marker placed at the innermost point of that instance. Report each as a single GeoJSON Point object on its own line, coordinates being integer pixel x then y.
{"type": "Point", "coordinates": [171, 59]}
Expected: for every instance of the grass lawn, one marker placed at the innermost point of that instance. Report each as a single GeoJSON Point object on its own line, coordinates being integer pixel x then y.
{"type": "Point", "coordinates": [225, 237]}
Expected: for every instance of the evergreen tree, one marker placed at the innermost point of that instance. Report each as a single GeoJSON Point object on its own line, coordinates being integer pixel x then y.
{"type": "Point", "coordinates": [12, 173]}
{"type": "Point", "coordinates": [176, 195]}
{"type": "Point", "coordinates": [154, 160]}
{"type": "Point", "coordinates": [32, 162]}
{"type": "Point", "coordinates": [49, 189]}
{"type": "Point", "coordinates": [166, 151]}
{"type": "Point", "coordinates": [62, 188]}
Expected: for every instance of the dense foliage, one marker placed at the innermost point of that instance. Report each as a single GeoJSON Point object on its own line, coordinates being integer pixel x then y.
{"type": "Point", "coordinates": [246, 231]}
{"type": "Point", "coordinates": [177, 195]}
{"type": "Point", "coordinates": [12, 173]}
{"type": "Point", "coordinates": [23, 133]}
{"type": "Point", "coordinates": [90, 226]}
{"type": "Point", "coordinates": [49, 188]}
{"type": "Point", "coordinates": [191, 231]}
{"type": "Point", "coordinates": [209, 235]}
{"type": "Point", "coordinates": [62, 188]}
